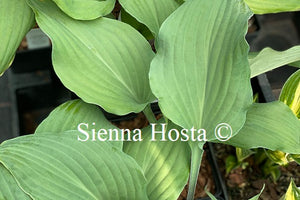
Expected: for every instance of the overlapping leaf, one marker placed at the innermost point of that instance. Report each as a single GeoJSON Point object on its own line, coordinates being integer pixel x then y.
{"type": "Point", "coordinates": [273, 6]}
{"type": "Point", "coordinates": [127, 18]}
{"type": "Point", "coordinates": [86, 9]}
{"type": "Point", "coordinates": [9, 187]}
{"type": "Point", "coordinates": [57, 166]}
{"type": "Point", "coordinates": [75, 115]}
{"type": "Point", "coordinates": [152, 13]}
{"type": "Point", "coordinates": [104, 61]}
{"type": "Point", "coordinates": [290, 93]}
{"type": "Point", "coordinates": [269, 125]}
{"type": "Point", "coordinates": [16, 19]}
{"type": "Point", "coordinates": [269, 59]}
{"type": "Point", "coordinates": [165, 163]}
{"type": "Point", "coordinates": [200, 73]}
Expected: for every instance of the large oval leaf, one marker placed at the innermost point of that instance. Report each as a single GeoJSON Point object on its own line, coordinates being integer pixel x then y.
{"type": "Point", "coordinates": [57, 166]}
{"type": "Point", "coordinates": [74, 115]}
{"type": "Point", "coordinates": [270, 125]}
{"type": "Point", "coordinates": [201, 73]}
{"type": "Point", "coordinates": [165, 163]}
{"type": "Point", "coordinates": [9, 187]}
{"type": "Point", "coordinates": [290, 93]}
{"type": "Point", "coordinates": [273, 6]}
{"type": "Point", "coordinates": [152, 13]}
{"type": "Point", "coordinates": [104, 61]}
{"type": "Point", "coordinates": [86, 9]}
{"type": "Point", "coordinates": [16, 19]}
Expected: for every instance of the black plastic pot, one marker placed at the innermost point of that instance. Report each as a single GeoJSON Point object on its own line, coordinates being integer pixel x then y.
{"type": "Point", "coordinates": [34, 91]}
{"type": "Point", "coordinates": [280, 32]}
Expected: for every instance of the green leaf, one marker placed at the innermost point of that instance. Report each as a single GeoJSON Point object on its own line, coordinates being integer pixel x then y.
{"type": "Point", "coordinates": [165, 163]}
{"type": "Point", "coordinates": [290, 93]}
{"type": "Point", "coordinates": [59, 166]}
{"type": "Point", "coordinates": [295, 64]}
{"type": "Point", "coordinates": [295, 157]}
{"type": "Point", "coordinates": [152, 13]}
{"type": "Point", "coordinates": [256, 197]}
{"type": "Point", "coordinates": [268, 59]}
{"type": "Point", "coordinates": [86, 9]}
{"type": "Point", "coordinates": [270, 168]}
{"type": "Point", "coordinates": [76, 114]}
{"type": "Point", "coordinates": [269, 125]}
{"type": "Point", "coordinates": [201, 78]}
{"type": "Point", "coordinates": [231, 163]}
{"type": "Point", "coordinates": [212, 197]}
{"type": "Point", "coordinates": [16, 19]}
{"type": "Point", "coordinates": [293, 192]}
{"type": "Point", "coordinates": [273, 6]}
{"type": "Point", "coordinates": [242, 154]}
{"type": "Point", "coordinates": [196, 158]}
{"type": "Point", "coordinates": [104, 61]}
{"type": "Point", "coordinates": [128, 19]}
{"type": "Point", "coordinates": [9, 187]}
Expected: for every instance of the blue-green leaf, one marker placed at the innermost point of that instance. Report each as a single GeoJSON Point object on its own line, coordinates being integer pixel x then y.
{"type": "Point", "coordinates": [268, 59]}
{"type": "Point", "coordinates": [9, 187]}
{"type": "Point", "coordinates": [165, 163]}
{"type": "Point", "coordinates": [152, 13]}
{"type": "Point", "coordinates": [269, 125]}
{"type": "Point", "coordinates": [104, 61]}
{"type": "Point", "coordinates": [75, 115]}
{"type": "Point", "coordinates": [86, 9]}
{"type": "Point", "coordinates": [202, 78]}
{"type": "Point", "coordinates": [58, 166]}
{"type": "Point", "coordinates": [16, 19]}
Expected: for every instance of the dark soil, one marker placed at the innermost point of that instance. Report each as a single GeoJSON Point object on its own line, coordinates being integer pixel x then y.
{"type": "Point", "coordinates": [243, 184]}
{"type": "Point", "coordinates": [205, 179]}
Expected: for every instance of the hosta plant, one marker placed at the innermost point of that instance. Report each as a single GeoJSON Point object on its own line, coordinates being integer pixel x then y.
{"type": "Point", "coordinates": [271, 160]}
{"type": "Point", "coordinates": [199, 72]}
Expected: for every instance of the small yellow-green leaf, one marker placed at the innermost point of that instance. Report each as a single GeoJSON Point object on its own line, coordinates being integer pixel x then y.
{"type": "Point", "coordinates": [278, 157]}
{"type": "Point", "coordinates": [290, 94]}
{"type": "Point", "coordinates": [293, 192]}
{"type": "Point", "coordinates": [256, 197]}
{"type": "Point", "coordinates": [242, 154]}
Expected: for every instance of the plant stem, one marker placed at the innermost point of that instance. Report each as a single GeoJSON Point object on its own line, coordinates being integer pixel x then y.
{"type": "Point", "coordinates": [149, 114]}
{"type": "Point", "coordinates": [197, 153]}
